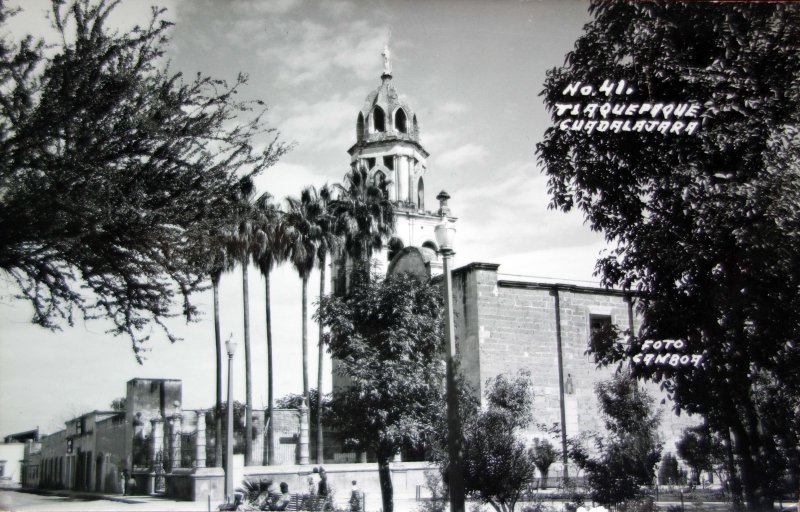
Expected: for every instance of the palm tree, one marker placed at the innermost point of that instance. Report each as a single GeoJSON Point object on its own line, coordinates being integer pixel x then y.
{"type": "Point", "coordinates": [268, 251]}
{"type": "Point", "coordinates": [212, 248]}
{"type": "Point", "coordinates": [364, 215]}
{"type": "Point", "coordinates": [329, 242]}
{"type": "Point", "coordinates": [303, 232]}
{"type": "Point", "coordinates": [220, 262]}
{"type": "Point", "coordinates": [240, 246]}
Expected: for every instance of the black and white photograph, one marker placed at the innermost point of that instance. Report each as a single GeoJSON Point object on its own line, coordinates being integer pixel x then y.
{"type": "Point", "coordinates": [399, 256]}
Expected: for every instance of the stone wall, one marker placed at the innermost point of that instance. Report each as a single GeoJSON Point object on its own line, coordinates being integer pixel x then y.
{"type": "Point", "coordinates": [503, 327]}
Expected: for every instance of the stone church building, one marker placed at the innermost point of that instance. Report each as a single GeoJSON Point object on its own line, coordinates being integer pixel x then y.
{"type": "Point", "coordinates": [502, 326]}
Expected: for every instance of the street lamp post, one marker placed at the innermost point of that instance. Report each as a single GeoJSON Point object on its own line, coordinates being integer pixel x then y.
{"type": "Point", "coordinates": [230, 345]}
{"type": "Point", "coordinates": [445, 233]}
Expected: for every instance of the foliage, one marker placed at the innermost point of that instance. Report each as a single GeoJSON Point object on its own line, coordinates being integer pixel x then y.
{"type": "Point", "coordinates": [255, 491]}
{"type": "Point", "coordinates": [498, 467]}
{"type": "Point", "coordinates": [363, 214]}
{"type": "Point", "coordinates": [293, 401]}
{"type": "Point", "coordinates": [239, 429]}
{"type": "Point", "coordinates": [669, 473]}
{"type": "Point", "coordinates": [705, 226]}
{"type": "Point", "coordinates": [112, 166]}
{"type": "Point", "coordinates": [119, 404]}
{"type": "Point", "coordinates": [387, 336]}
{"type": "Point", "coordinates": [543, 457]}
{"type": "Point", "coordinates": [438, 500]}
{"type": "Point", "coordinates": [624, 459]}
{"type": "Point", "coordinates": [701, 450]}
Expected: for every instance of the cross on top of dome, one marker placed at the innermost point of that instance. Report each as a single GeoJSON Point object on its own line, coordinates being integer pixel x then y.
{"type": "Point", "coordinates": [387, 62]}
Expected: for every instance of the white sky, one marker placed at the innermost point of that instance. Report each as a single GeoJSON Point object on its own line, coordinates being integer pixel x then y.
{"type": "Point", "coordinates": [472, 71]}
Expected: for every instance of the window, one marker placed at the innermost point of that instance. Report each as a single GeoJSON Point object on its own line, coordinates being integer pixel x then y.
{"type": "Point", "coordinates": [360, 127]}
{"type": "Point", "coordinates": [370, 163]}
{"type": "Point", "coordinates": [601, 331]}
{"type": "Point", "coordinates": [401, 121]}
{"type": "Point", "coordinates": [379, 120]}
{"type": "Point", "coordinates": [420, 195]}
{"type": "Point", "coordinates": [388, 162]}
{"type": "Point", "coordinates": [2, 468]}
{"type": "Point", "coordinates": [379, 179]}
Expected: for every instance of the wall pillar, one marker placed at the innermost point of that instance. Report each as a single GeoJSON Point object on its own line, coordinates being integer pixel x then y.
{"type": "Point", "coordinates": [258, 442]}
{"type": "Point", "coordinates": [156, 454]}
{"type": "Point", "coordinates": [304, 452]}
{"type": "Point", "coordinates": [175, 424]}
{"type": "Point", "coordinates": [200, 441]}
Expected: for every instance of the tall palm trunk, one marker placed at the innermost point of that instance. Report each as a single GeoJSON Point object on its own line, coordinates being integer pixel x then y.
{"type": "Point", "coordinates": [304, 441]}
{"type": "Point", "coordinates": [320, 451]}
{"type": "Point", "coordinates": [218, 408]}
{"type": "Point", "coordinates": [270, 406]}
{"type": "Point", "coordinates": [305, 339]}
{"type": "Point", "coordinates": [248, 441]}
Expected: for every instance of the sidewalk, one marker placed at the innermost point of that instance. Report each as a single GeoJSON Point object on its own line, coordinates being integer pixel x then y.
{"type": "Point", "coordinates": [41, 500]}
{"type": "Point", "coordinates": [63, 500]}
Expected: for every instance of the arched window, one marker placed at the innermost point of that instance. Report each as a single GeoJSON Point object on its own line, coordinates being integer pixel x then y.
{"type": "Point", "coordinates": [420, 195]}
{"type": "Point", "coordinates": [379, 179]}
{"type": "Point", "coordinates": [360, 127]}
{"type": "Point", "coordinates": [400, 121]}
{"type": "Point", "coordinates": [378, 119]}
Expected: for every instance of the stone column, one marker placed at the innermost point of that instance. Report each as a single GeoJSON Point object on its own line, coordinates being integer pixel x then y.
{"type": "Point", "coordinates": [401, 164]}
{"type": "Point", "coordinates": [156, 452]}
{"type": "Point", "coordinates": [200, 441]}
{"type": "Point", "coordinates": [303, 434]}
{"type": "Point", "coordinates": [258, 442]}
{"type": "Point", "coordinates": [175, 423]}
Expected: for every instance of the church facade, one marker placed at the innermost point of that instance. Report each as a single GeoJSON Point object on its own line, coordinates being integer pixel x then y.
{"type": "Point", "coordinates": [502, 326]}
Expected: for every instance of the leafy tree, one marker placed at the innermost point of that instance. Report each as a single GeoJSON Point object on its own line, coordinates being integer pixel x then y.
{"type": "Point", "coordinates": [706, 226]}
{"type": "Point", "coordinates": [625, 458]}
{"type": "Point", "coordinates": [239, 429]}
{"type": "Point", "coordinates": [269, 249]}
{"type": "Point", "coordinates": [701, 450]}
{"type": "Point", "coordinates": [119, 404]}
{"type": "Point", "coordinates": [112, 167]}
{"type": "Point", "coordinates": [544, 455]}
{"type": "Point", "coordinates": [293, 401]}
{"type": "Point", "coordinates": [498, 467]}
{"type": "Point", "coordinates": [669, 473]}
{"type": "Point", "coordinates": [388, 337]}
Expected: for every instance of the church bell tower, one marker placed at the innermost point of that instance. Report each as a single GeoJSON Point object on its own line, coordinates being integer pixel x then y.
{"type": "Point", "coordinates": [389, 147]}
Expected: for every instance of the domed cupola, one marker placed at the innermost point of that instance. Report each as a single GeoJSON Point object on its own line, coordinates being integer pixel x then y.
{"type": "Point", "coordinates": [385, 116]}
{"type": "Point", "coordinates": [388, 145]}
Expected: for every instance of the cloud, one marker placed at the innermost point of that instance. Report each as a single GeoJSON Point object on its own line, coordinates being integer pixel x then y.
{"type": "Point", "coordinates": [501, 219]}
{"type": "Point", "coordinates": [468, 153]}
{"type": "Point", "coordinates": [306, 51]}
{"type": "Point", "coordinates": [321, 125]}
{"type": "Point", "coordinates": [453, 107]}
{"type": "Point", "coordinates": [288, 179]}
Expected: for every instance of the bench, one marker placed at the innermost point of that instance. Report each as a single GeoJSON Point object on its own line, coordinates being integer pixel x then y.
{"type": "Point", "coordinates": [311, 502]}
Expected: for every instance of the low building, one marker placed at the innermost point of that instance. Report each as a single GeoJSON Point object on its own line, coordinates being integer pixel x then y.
{"type": "Point", "coordinates": [12, 453]}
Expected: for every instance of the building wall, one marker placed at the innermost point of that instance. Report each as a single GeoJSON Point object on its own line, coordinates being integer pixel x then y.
{"type": "Point", "coordinates": [11, 455]}
{"type": "Point", "coordinates": [503, 327]}
{"type": "Point", "coordinates": [110, 459]}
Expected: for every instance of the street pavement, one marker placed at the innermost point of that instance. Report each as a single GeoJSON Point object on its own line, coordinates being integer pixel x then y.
{"type": "Point", "coordinates": [63, 501]}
